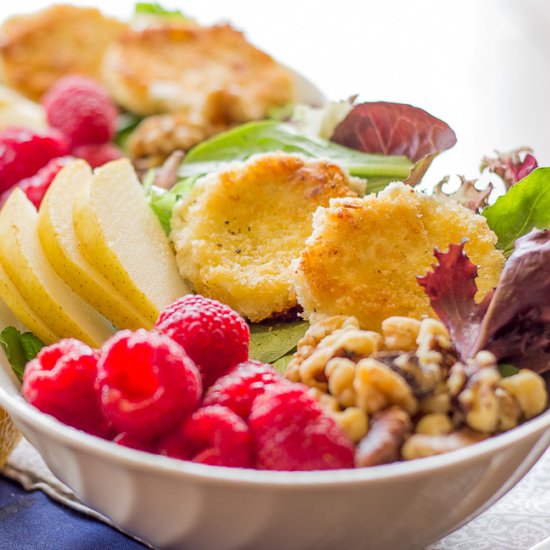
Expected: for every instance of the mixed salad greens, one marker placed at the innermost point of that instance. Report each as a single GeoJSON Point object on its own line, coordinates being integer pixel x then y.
{"type": "Point", "coordinates": [376, 154]}
{"type": "Point", "coordinates": [383, 142]}
{"type": "Point", "coordinates": [512, 321]}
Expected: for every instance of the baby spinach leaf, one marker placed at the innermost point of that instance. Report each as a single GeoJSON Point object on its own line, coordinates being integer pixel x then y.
{"type": "Point", "coordinates": [154, 8]}
{"type": "Point", "coordinates": [269, 136]}
{"type": "Point", "coordinates": [525, 206]}
{"type": "Point", "coordinates": [271, 342]}
{"type": "Point", "coordinates": [282, 363]}
{"type": "Point", "coordinates": [20, 348]}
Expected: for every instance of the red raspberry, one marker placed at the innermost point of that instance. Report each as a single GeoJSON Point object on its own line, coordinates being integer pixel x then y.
{"type": "Point", "coordinates": [131, 442]}
{"type": "Point", "coordinates": [35, 187]}
{"type": "Point", "coordinates": [81, 109]}
{"type": "Point", "coordinates": [291, 432]}
{"type": "Point", "coordinates": [23, 152]}
{"type": "Point", "coordinates": [97, 155]}
{"type": "Point", "coordinates": [212, 334]}
{"type": "Point", "coordinates": [238, 389]}
{"type": "Point", "coordinates": [60, 382]}
{"type": "Point", "coordinates": [212, 435]}
{"type": "Point", "coordinates": [147, 384]}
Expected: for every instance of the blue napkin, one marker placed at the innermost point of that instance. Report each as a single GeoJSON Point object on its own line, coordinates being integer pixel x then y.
{"type": "Point", "coordinates": [32, 521]}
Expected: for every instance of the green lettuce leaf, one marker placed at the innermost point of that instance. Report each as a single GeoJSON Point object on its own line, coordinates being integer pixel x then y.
{"type": "Point", "coordinates": [525, 206]}
{"type": "Point", "coordinates": [20, 348]}
{"type": "Point", "coordinates": [271, 342]}
{"type": "Point", "coordinates": [282, 363]}
{"type": "Point", "coordinates": [268, 136]}
{"type": "Point", "coordinates": [154, 8]}
{"type": "Point", "coordinates": [162, 202]}
{"type": "Point", "coordinates": [126, 124]}
{"type": "Point", "coordinates": [507, 370]}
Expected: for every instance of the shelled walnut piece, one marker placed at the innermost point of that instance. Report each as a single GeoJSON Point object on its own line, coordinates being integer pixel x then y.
{"type": "Point", "coordinates": [362, 378]}
{"type": "Point", "coordinates": [383, 443]}
{"type": "Point", "coordinates": [157, 136]}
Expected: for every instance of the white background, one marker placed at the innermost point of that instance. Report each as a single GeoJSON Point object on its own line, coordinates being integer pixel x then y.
{"type": "Point", "coordinates": [480, 65]}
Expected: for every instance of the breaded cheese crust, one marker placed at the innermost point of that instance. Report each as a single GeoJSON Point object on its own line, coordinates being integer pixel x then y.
{"type": "Point", "coordinates": [212, 73]}
{"type": "Point", "coordinates": [237, 232]}
{"type": "Point", "coordinates": [38, 49]}
{"type": "Point", "coordinates": [364, 254]}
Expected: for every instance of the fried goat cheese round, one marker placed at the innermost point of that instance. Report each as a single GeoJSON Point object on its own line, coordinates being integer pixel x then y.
{"type": "Point", "coordinates": [237, 232]}
{"type": "Point", "coordinates": [38, 49]}
{"type": "Point", "coordinates": [212, 73]}
{"type": "Point", "coordinates": [364, 255]}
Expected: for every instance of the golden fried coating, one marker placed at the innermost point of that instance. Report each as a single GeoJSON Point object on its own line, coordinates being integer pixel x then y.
{"type": "Point", "coordinates": [210, 73]}
{"type": "Point", "coordinates": [364, 254]}
{"type": "Point", "coordinates": [237, 232]}
{"type": "Point", "coordinates": [37, 49]}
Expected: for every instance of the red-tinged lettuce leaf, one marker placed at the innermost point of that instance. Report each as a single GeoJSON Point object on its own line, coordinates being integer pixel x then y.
{"type": "Point", "coordinates": [512, 166]}
{"type": "Point", "coordinates": [166, 175]}
{"type": "Point", "coordinates": [418, 170]}
{"type": "Point", "coordinates": [396, 129]}
{"type": "Point", "coordinates": [513, 322]}
{"type": "Point", "coordinates": [516, 327]}
{"type": "Point", "coordinates": [467, 194]}
{"type": "Point", "coordinates": [451, 288]}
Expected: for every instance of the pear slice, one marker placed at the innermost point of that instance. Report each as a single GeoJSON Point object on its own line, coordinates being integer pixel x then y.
{"type": "Point", "coordinates": [12, 300]}
{"type": "Point", "coordinates": [120, 235]}
{"type": "Point", "coordinates": [60, 243]}
{"type": "Point", "coordinates": [39, 285]}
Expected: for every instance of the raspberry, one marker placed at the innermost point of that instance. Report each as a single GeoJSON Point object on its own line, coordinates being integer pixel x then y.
{"type": "Point", "coordinates": [23, 152]}
{"type": "Point", "coordinates": [35, 187]}
{"type": "Point", "coordinates": [238, 389]}
{"type": "Point", "coordinates": [60, 382]}
{"type": "Point", "coordinates": [126, 440]}
{"type": "Point", "coordinates": [212, 435]}
{"type": "Point", "coordinates": [291, 432]}
{"type": "Point", "coordinates": [147, 384]}
{"type": "Point", "coordinates": [81, 109]}
{"type": "Point", "coordinates": [97, 155]}
{"type": "Point", "coordinates": [212, 334]}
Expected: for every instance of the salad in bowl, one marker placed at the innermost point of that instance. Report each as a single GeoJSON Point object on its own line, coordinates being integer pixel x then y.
{"type": "Point", "coordinates": [224, 297]}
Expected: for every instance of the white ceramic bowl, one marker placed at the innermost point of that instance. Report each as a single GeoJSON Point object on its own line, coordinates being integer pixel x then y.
{"type": "Point", "coordinates": [175, 504]}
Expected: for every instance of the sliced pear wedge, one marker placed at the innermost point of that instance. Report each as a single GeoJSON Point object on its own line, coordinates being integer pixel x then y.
{"type": "Point", "coordinates": [120, 235]}
{"type": "Point", "coordinates": [37, 282]}
{"type": "Point", "coordinates": [12, 299]}
{"type": "Point", "coordinates": [60, 243]}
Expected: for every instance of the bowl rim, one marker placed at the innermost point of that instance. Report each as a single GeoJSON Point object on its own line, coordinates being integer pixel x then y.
{"type": "Point", "coordinates": [133, 459]}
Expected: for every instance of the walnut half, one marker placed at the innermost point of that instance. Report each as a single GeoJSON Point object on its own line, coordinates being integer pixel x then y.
{"type": "Point", "coordinates": [383, 442]}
